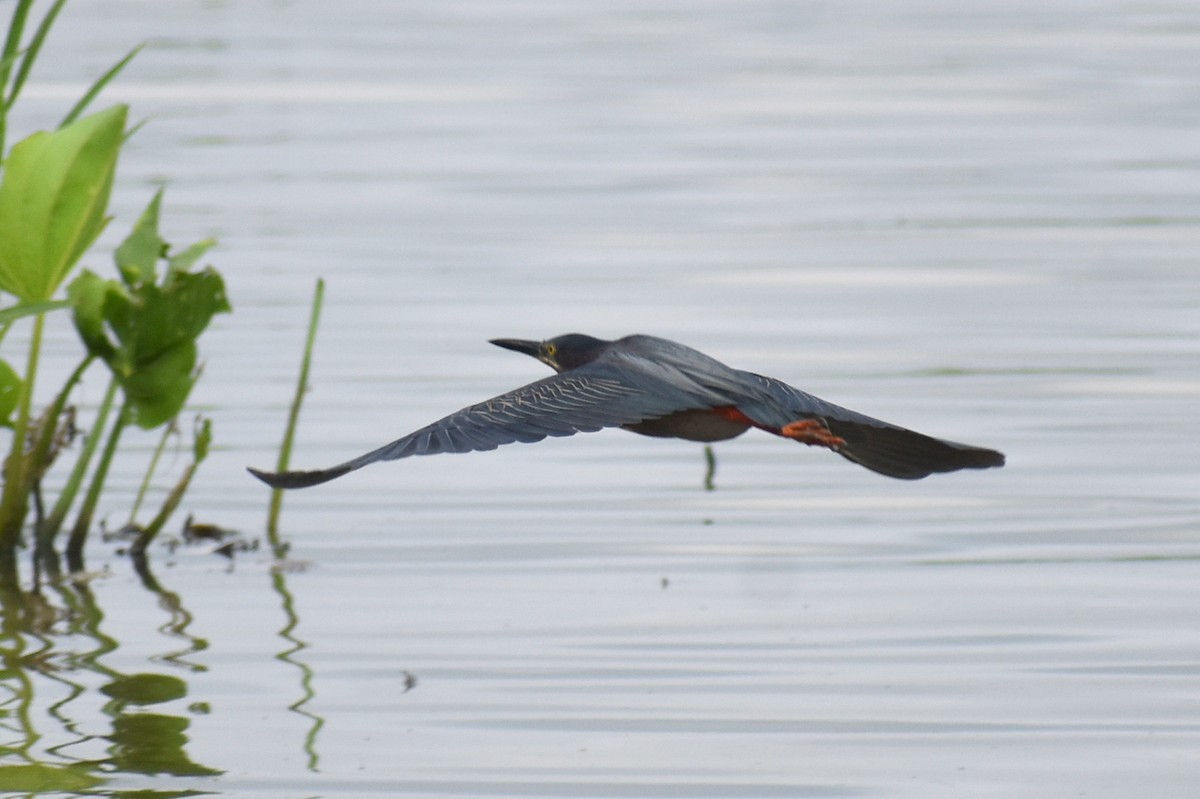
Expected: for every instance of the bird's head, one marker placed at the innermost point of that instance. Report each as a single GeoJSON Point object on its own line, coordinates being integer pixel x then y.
{"type": "Point", "coordinates": [561, 353]}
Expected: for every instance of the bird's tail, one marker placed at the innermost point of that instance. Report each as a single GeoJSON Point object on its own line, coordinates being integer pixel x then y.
{"type": "Point", "coordinates": [905, 454]}
{"type": "Point", "coordinates": [870, 442]}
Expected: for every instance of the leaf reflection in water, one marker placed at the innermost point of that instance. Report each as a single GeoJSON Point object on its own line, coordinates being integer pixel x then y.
{"type": "Point", "coordinates": [53, 646]}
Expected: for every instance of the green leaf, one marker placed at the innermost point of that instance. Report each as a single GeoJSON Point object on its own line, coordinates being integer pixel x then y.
{"type": "Point", "coordinates": [89, 294]}
{"type": "Point", "coordinates": [198, 296]}
{"type": "Point", "coordinates": [152, 320]}
{"type": "Point", "coordinates": [138, 254]}
{"type": "Point", "coordinates": [10, 392]}
{"type": "Point", "coordinates": [22, 309]}
{"type": "Point", "coordinates": [98, 86]}
{"type": "Point", "coordinates": [183, 261]}
{"type": "Point", "coordinates": [154, 353]}
{"type": "Point", "coordinates": [158, 388]}
{"type": "Point", "coordinates": [146, 331]}
{"type": "Point", "coordinates": [53, 199]}
{"type": "Point", "coordinates": [32, 49]}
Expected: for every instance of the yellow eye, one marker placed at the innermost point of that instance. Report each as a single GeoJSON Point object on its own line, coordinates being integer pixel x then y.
{"type": "Point", "coordinates": [550, 350]}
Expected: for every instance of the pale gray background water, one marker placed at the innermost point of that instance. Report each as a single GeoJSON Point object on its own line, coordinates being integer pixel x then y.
{"type": "Point", "coordinates": [980, 220]}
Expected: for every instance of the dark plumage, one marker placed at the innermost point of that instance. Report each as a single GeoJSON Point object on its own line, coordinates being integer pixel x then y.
{"type": "Point", "coordinates": [660, 388]}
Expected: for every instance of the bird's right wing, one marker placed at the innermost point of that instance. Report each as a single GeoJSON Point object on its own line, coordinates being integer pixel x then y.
{"type": "Point", "coordinates": [584, 400]}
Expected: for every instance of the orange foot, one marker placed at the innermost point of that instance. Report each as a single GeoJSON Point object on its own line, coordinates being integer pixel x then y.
{"type": "Point", "coordinates": [811, 432]}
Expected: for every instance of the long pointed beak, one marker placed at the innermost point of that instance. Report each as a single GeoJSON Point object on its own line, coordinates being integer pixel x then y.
{"type": "Point", "coordinates": [532, 348]}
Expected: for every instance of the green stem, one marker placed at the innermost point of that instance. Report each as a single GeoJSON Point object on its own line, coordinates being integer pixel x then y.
{"type": "Point", "coordinates": [56, 518]}
{"type": "Point", "coordinates": [285, 449]}
{"type": "Point", "coordinates": [97, 87]}
{"type": "Point", "coordinates": [14, 503]}
{"type": "Point", "coordinates": [147, 535]}
{"type": "Point", "coordinates": [33, 48]}
{"type": "Point", "coordinates": [12, 44]}
{"type": "Point", "coordinates": [145, 486]}
{"type": "Point", "coordinates": [86, 511]}
{"type": "Point", "coordinates": [41, 456]}
{"type": "Point", "coordinates": [203, 438]}
{"type": "Point", "coordinates": [48, 433]}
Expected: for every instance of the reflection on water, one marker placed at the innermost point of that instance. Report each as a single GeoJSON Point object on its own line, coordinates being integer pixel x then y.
{"type": "Point", "coordinates": [59, 665]}
{"type": "Point", "coordinates": [179, 619]}
{"type": "Point", "coordinates": [291, 657]}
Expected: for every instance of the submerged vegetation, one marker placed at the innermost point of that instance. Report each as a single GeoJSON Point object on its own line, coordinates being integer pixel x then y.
{"type": "Point", "coordinates": [140, 326]}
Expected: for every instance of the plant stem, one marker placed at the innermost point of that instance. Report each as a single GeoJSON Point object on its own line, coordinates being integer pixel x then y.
{"type": "Point", "coordinates": [12, 44]}
{"type": "Point", "coordinates": [86, 511]}
{"type": "Point", "coordinates": [203, 434]}
{"type": "Point", "coordinates": [41, 462]}
{"type": "Point", "coordinates": [49, 430]}
{"type": "Point", "coordinates": [97, 87]}
{"type": "Point", "coordinates": [285, 449]}
{"type": "Point", "coordinates": [33, 48]}
{"type": "Point", "coordinates": [55, 520]}
{"type": "Point", "coordinates": [147, 535]}
{"type": "Point", "coordinates": [145, 486]}
{"type": "Point", "coordinates": [15, 499]}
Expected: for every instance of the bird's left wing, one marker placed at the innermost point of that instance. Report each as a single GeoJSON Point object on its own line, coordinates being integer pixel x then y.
{"type": "Point", "coordinates": [584, 400]}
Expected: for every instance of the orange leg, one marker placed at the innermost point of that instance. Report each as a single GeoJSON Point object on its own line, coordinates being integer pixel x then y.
{"type": "Point", "coordinates": [811, 432]}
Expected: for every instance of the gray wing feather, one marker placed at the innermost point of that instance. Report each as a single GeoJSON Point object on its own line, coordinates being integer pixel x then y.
{"type": "Point", "coordinates": [776, 403]}
{"type": "Point", "coordinates": [584, 400]}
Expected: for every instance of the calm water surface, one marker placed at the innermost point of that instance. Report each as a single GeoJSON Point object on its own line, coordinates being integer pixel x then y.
{"type": "Point", "coordinates": [980, 221]}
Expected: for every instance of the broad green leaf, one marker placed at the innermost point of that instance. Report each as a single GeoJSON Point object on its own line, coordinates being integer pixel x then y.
{"type": "Point", "coordinates": [10, 392]}
{"type": "Point", "coordinates": [157, 389]}
{"type": "Point", "coordinates": [159, 318]}
{"type": "Point", "coordinates": [155, 330]}
{"type": "Point", "coordinates": [197, 297]}
{"type": "Point", "coordinates": [52, 201]}
{"type": "Point", "coordinates": [146, 331]}
{"type": "Point", "coordinates": [138, 254]}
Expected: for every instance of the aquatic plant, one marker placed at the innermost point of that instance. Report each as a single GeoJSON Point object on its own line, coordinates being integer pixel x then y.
{"type": "Point", "coordinates": [143, 326]}
{"type": "Point", "coordinates": [289, 433]}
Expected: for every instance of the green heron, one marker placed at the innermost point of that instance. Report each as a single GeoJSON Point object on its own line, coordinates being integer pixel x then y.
{"type": "Point", "coordinates": [660, 388]}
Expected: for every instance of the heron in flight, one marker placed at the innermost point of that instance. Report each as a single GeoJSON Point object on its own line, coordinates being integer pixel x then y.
{"type": "Point", "coordinates": [657, 387]}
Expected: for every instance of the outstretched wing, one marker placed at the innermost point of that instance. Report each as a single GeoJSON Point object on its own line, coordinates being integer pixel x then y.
{"type": "Point", "coordinates": [879, 446]}
{"type": "Point", "coordinates": [584, 400]}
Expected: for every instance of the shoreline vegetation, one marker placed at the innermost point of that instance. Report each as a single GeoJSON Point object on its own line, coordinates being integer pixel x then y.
{"type": "Point", "coordinates": [141, 326]}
